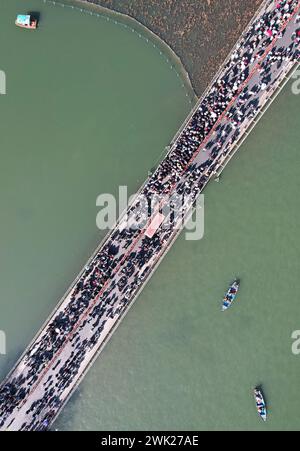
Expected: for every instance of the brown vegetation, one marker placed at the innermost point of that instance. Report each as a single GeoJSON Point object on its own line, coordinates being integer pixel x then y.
{"type": "Point", "coordinates": [201, 32]}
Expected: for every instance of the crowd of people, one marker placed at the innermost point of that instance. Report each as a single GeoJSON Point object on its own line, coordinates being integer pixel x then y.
{"type": "Point", "coordinates": [115, 274]}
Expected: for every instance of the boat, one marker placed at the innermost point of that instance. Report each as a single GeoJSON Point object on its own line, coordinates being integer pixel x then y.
{"type": "Point", "coordinates": [260, 404]}
{"type": "Point", "coordinates": [26, 21]}
{"type": "Point", "coordinates": [230, 295]}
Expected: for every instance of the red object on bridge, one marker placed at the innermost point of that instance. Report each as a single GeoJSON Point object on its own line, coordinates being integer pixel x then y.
{"type": "Point", "coordinates": [154, 225]}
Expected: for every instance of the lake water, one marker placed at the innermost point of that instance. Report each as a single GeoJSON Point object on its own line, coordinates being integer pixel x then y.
{"type": "Point", "coordinates": [90, 106]}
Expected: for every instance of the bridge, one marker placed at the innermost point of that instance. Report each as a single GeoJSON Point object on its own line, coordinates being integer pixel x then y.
{"type": "Point", "coordinates": [37, 388]}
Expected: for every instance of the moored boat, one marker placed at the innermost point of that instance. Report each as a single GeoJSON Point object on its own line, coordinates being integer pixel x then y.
{"type": "Point", "coordinates": [231, 295]}
{"type": "Point", "coordinates": [26, 21]}
{"type": "Point", "coordinates": [261, 406]}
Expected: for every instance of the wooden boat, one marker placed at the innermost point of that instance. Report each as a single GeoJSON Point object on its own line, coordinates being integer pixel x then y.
{"type": "Point", "coordinates": [26, 21]}
{"type": "Point", "coordinates": [231, 295]}
{"type": "Point", "coordinates": [260, 404]}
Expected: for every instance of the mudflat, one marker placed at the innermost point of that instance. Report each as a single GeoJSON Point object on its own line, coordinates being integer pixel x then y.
{"type": "Point", "coordinates": [200, 32]}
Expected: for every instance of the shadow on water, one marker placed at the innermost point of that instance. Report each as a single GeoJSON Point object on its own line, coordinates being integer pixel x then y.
{"type": "Point", "coordinates": [75, 397]}
{"type": "Point", "coordinates": [9, 362]}
{"type": "Point", "coordinates": [261, 388]}
{"type": "Point", "coordinates": [35, 15]}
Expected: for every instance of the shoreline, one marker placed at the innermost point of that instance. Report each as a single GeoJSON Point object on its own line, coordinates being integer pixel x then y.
{"type": "Point", "coordinates": [231, 138]}
{"type": "Point", "coordinates": [139, 28]}
{"type": "Point", "coordinates": [200, 35]}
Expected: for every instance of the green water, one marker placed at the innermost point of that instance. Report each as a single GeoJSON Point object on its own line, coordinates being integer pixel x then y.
{"type": "Point", "coordinates": [175, 362]}
{"type": "Point", "coordinates": [90, 106]}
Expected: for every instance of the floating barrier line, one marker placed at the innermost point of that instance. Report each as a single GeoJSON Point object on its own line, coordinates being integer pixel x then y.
{"type": "Point", "coordinates": [171, 189]}
{"type": "Point", "coordinates": [107, 18]}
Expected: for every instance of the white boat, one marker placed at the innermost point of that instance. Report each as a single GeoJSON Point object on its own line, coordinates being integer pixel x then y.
{"type": "Point", "coordinates": [260, 404]}
{"type": "Point", "coordinates": [230, 295]}
{"type": "Point", "coordinates": [26, 21]}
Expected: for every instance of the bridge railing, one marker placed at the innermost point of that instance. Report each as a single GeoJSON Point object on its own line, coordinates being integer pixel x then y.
{"type": "Point", "coordinates": [264, 6]}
